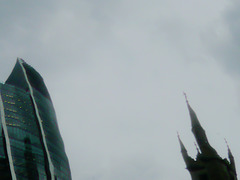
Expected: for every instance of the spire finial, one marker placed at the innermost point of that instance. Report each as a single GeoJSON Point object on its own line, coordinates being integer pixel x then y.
{"type": "Point", "coordinates": [179, 138]}
{"type": "Point", "coordinates": [185, 95]}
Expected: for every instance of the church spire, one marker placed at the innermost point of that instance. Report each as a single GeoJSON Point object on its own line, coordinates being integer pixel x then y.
{"type": "Point", "coordinates": [194, 120]}
{"type": "Point", "coordinates": [208, 164]}
{"type": "Point", "coordinates": [199, 132]}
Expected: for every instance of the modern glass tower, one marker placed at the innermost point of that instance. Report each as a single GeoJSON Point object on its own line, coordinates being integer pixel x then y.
{"type": "Point", "coordinates": [31, 147]}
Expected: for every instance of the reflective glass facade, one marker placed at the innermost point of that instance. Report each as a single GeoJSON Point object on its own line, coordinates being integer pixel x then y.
{"type": "Point", "coordinates": [31, 146]}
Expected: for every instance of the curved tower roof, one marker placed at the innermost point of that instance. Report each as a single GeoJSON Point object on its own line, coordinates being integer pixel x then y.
{"type": "Point", "coordinates": [31, 142]}
{"type": "Point", "coordinates": [17, 78]}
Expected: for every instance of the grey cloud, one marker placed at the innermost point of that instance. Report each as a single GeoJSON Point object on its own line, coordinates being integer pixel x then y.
{"type": "Point", "coordinates": [116, 71]}
{"type": "Point", "coordinates": [230, 50]}
{"type": "Point", "coordinates": [223, 41]}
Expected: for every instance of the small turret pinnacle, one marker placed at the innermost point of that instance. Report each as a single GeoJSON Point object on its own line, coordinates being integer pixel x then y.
{"type": "Point", "coordinates": [188, 160]}
{"type": "Point", "coordinates": [227, 145]}
{"type": "Point", "coordinates": [183, 149]}
{"type": "Point", "coordinates": [231, 158]}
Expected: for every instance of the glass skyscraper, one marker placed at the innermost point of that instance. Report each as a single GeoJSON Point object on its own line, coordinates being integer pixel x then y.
{"type": "Point", "coordinates": [31, 147]}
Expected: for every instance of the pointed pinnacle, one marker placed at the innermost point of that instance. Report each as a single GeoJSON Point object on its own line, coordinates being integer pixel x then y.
{"type": "Point", "coordinates": [193, 115]}
{"type": "Point", "coordinates": [226, 143]}
{"type": "Point", "coordinates": [231, 158]}
{"type": "Point", "coordinates": [178, 135]}
{"type": "Point", "coordinates": [183, 149]}
{"type": "Point", "coordinates": [229, 151]}
{"type": "Point", "coordinates": [188, 105]}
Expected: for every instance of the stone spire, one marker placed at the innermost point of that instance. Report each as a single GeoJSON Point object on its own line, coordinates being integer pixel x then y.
{"type": "Point", "coordinates": [199, 133]}
{"type": "Point", "coordinates": [208, 165]}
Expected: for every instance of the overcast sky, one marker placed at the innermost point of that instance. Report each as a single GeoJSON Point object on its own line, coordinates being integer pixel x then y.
{"type": "Point", "coordinates": [116, 71]}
